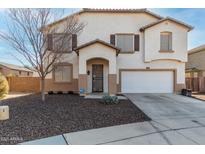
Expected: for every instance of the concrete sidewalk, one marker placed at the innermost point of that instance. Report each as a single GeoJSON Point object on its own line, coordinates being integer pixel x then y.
{"type": "Point", "coordinates": [136, 133]}
{"type": "Point", "coordinates": [54, 140]}
{"type": "Point", "coordinates": [147, 133]}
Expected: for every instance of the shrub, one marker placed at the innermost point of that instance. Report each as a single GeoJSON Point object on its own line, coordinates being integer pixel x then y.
{"type": "Point", "coordinates": [60, 92]}
{"type": "Point", "coordinates": [50, 92]}
{"type": "Point", "coordinates": [70, 92]}
{"type": "Point", "coordinates": [4, 86]}
{"type": "Point", "coordinates": [110, 100]}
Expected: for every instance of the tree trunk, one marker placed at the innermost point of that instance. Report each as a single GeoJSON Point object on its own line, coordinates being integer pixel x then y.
{"type": "Point", "coordinates": [43, 89]}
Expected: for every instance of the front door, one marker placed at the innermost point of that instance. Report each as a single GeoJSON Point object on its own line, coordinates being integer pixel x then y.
{"type": "Point", "coordinates": [97, 78]}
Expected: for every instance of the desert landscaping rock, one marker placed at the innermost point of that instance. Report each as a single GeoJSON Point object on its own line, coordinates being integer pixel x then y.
{"type": "Point", "coordinates": [32, 119]}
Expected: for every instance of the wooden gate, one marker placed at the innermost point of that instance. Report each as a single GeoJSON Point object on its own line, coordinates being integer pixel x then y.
{"type": "Point", "coordinates": [196, 84]}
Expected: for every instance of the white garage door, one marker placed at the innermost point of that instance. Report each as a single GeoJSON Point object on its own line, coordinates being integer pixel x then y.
{"type": "Point", "coordinates": [147, 82]}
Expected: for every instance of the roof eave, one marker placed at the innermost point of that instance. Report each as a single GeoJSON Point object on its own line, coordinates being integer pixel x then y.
{"type": "Point", "coordinates": [162, 20]}
{"type": "Point", "coordinates": [196, 51]}
{"type": "Point", "coordinates": [97, 41]}
{"type": "Point", "coordinates": [16, 69]}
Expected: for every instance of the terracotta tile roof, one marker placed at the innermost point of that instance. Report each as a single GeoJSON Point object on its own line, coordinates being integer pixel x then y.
{"type": "Point", "coordinates": [197, 49]}
{"type": "Point", "coordinates": [122, 11]}
{"type": "Point", "coordinates": [164, 19]}
{"type": "Point", "coordinates": [14, 67]}
{"type": "Point", "coordinates": [97, 41]}
{"type": "Point", "coordinates": [84, 10]}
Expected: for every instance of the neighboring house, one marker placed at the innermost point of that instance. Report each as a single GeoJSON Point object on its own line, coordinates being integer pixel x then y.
{"type": "Point", "coordinates": [122, 51]}
{"type": "Point", "coordinates": [14, 70]}
{"type": "Point", "coordinates": [195, 67]}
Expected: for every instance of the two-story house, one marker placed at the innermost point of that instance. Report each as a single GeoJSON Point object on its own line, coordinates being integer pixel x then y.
{"type": "Point", "coordinates": [123, 51]}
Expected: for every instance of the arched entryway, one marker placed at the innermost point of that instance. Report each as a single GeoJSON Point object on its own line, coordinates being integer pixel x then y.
{"type": "Point", "coordinates": [97, 75]}
{"type": "Point", "coordinates": [103, 57]}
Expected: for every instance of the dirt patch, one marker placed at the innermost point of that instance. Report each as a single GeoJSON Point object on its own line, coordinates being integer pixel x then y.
{"type": "Point", "coordinates": [15, 95]}
{"type": "Point", "coordinates": [200, 96]}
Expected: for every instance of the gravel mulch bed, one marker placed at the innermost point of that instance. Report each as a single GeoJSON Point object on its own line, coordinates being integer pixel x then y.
{"type": "Point", "coordinates": [32, 119]}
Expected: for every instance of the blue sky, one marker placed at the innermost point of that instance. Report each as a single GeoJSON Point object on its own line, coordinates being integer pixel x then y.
{"type": "Point", "coordinates": [194, 17]}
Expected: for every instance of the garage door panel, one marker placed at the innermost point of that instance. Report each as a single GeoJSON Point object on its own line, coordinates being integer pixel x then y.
{"type": "Point", "coordinates": [147, 82]}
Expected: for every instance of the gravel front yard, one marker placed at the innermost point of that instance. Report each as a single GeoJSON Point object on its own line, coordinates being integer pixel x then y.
{"type": "Point", "coordinates": [31, 119]}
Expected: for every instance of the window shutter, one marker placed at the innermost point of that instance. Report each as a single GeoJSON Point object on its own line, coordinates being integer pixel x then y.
{"type": "Point", "coordinates": [112, 39]}
{"type": "Point", "coordinates": [137, 42]}
{"type": "Point", "coordinates": [50, 42]}
{"type": "Point", "coordinates": [170, 42]}
{"type": "Point", "coordinates": [74, 41]}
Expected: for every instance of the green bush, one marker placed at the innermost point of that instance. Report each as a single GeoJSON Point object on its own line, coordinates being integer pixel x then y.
{"type": "Point", "coordinates": [4, 86]}
{"type": "Point", "coordinates": [110, 100]}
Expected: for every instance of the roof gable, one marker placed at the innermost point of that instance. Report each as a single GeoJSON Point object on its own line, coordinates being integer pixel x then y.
{"type": "Point", "coordinates": [166, 19]}
{"type": "Point", "coordinates": [94, 42]}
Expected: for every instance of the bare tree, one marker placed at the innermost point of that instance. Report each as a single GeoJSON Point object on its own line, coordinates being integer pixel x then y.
{"type": "Point", "coordinates": [41, 44]}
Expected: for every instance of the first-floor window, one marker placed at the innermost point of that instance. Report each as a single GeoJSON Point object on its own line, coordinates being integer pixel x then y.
{"type": "Point", "coordinates": [63, 73]}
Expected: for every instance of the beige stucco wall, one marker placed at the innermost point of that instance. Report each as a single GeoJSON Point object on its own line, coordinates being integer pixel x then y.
{"type": "Point", "coordinates": [101, 25]}
{"type": "Point", "coordinates": [152, 42]}
{"type": "Point", "coordinates": [97, 50]}
{"type": "Point", "coordinates": [71, 58]}
{"type": "Point", "coordinates": [196, 60]}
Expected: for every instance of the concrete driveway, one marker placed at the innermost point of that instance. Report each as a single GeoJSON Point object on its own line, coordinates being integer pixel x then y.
{"type": "Point", "coordinates": [168, 106]}
{"type": "Point", "coordinates": [175, 120]}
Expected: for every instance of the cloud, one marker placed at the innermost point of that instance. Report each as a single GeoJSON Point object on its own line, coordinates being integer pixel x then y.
{"type": "Point", "coordinates": [3, 9]}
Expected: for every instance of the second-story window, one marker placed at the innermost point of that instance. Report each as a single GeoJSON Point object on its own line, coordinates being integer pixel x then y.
{"type": "Point", "coordinates": [125, 42]}
{"type": "Point", "coordinates": [165, 41]}
{"type": "Point", "coordinates": [59, 42]}
{"type": "Point", "coordinates": [62, 42]}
